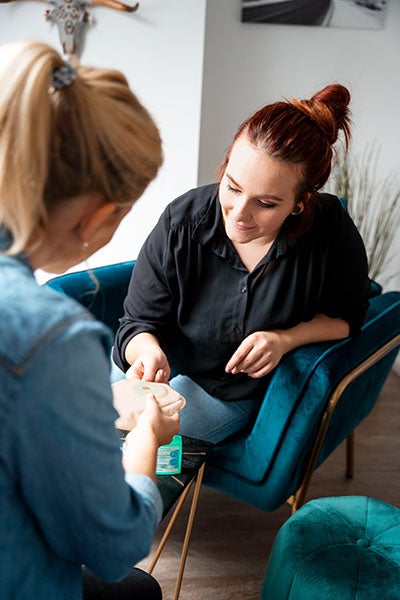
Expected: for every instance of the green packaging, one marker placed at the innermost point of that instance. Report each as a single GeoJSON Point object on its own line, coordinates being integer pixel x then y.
{"type": "Point", "coordinates": [169, 457]}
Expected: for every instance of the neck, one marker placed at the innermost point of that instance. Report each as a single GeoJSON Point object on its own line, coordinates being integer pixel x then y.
{"type": "Point", "coordinates": [251, 253]}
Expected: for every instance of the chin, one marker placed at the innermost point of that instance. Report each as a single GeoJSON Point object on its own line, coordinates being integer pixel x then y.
{"type": "Point", "coordinates": [241, 237]}
{"type": "Point", "coordinates": [58, 268]}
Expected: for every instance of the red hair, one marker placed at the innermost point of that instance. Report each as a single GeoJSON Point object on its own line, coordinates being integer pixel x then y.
{"type": "Point", "coordinates": [301, 132]}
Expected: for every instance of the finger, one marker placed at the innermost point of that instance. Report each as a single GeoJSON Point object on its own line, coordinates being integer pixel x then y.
{"type": "Point", "coordinates": [135, 371]}
{"type": "Point", "coordinates": [237, 358]}
{"type": "Point", "coordinates": [151, 399]}
{"type": "Point", "coordinates": [149, 373]}
{"type": "Point", "coordinates": [254, 359]}
{"type": "Point", "coordinates": [175, 420]}
{"type": "Point", "coordinates": [161, 376]}
{"type": "Point", "coordinates": [257, 373]}
{"type": "Point", "coordinates": [257, 361]}
{"type": "Point", "coordinates": [151, 404]}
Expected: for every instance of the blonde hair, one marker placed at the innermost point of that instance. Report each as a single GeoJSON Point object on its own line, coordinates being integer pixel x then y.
{"type": "Point", "coordinates": [92, 136]}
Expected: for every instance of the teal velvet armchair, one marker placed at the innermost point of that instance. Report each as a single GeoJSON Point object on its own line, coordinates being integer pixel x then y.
{"type": "Point", "coordinates": [316, 398]}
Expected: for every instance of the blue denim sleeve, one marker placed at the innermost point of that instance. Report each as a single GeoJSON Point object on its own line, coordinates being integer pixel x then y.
{"type": "Point", "coordinates": [150, 494]}
{"type": "Point", "coordinates": [67, 456]}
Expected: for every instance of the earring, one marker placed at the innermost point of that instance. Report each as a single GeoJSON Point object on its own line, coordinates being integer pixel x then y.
{"type": "Point", "coordinates": [84, 245]}
{"type": "Point", "coordinates": [297, 210]}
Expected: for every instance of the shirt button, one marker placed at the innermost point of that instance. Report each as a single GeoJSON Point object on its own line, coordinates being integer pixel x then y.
{"type": "Point", "coordinates": [244, 289]}
{"type": "Point", "coordinates": [237, 330]}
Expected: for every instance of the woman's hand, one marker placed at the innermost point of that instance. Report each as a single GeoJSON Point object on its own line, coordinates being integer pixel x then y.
{"type": "Point", "coordinates": [258, 354]}
{"type": "Point", "coordinates": [154, 422]}
{"type": "Point", "coordinates": [261, 351]}
{"type": "Point", "coordinates": [151, 365]}
{"type": "Point", "coordinates": [153, 429]}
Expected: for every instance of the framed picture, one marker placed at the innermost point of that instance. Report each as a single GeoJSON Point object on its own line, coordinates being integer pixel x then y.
{"type": "Point", "coordinates": [364, 14]}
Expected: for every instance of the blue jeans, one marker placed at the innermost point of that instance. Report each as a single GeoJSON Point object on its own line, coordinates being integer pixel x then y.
{"type": "Point", "coordinates": [204, 416]}
{"type": "Point", "coordinates": [208, 418]}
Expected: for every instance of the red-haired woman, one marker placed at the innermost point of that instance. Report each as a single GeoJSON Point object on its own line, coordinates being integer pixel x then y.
{"type": "Point", "coordinates": [237, 274]}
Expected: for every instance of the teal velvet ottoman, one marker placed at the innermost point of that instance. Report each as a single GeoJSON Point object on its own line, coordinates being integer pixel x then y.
{"type": "Point", "coordinates": [336, 548]}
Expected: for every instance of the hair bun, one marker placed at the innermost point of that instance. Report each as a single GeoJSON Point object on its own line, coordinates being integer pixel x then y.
{"type": "Point", "coordinates": [329, 109]}
{"type": "Point", "coordinates": [336, 99]}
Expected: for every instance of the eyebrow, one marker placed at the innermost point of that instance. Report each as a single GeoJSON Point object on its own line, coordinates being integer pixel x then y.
{"type": "Point", "coordinates": [260, 196]}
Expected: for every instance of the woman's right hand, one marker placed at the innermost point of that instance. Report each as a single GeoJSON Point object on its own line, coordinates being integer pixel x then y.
{"type": "Point", "coordinates": [150, 365]}
{"type": "Point", "coordinates": [154, 420]}
{"type": "Point", "coordinates": [153, 429]}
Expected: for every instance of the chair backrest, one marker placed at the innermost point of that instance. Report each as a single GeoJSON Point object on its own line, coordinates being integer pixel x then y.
{"type": "Point", "coordinates": [101, 290]}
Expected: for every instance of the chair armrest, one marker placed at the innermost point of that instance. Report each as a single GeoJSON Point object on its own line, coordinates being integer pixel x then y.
{"type": "Point", "coordinates": [300, 389]}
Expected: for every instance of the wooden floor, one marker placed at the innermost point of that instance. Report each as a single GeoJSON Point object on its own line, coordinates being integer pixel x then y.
{"type": "Point", "coordinates": [231, 541]}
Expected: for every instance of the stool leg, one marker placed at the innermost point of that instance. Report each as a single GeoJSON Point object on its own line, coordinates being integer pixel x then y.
{"type": "Point", "coordinates": [350, 456]}
{"type": "Point", "coordinates": [185, 547]}
{"type": "Point", "coordinates": [167, 531]}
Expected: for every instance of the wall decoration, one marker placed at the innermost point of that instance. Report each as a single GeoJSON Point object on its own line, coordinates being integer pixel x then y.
{"type": "Point", "coordinates": [70, 16]}
{"type": "Point", "coordinates": [365, 14]}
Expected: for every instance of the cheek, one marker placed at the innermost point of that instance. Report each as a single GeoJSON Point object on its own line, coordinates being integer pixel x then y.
{"type": "Point", "coordinates": [226, 204]}
{"type": "Point", "coordinates": [272, 218]}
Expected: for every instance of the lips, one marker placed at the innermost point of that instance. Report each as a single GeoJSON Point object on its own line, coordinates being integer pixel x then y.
{"type": "Point", "coordinates": [240, 227]}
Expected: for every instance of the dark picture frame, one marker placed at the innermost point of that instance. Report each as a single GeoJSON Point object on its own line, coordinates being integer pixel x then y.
{"type": "Point", "coordinates": [364, 14]}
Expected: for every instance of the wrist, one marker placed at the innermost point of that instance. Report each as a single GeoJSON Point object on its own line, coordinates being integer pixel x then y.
{"type": "Point", "coordinates": [139, 344]}
{"type": "Point", "coordinates": [285, 340]}
{"type": "Point", "coordinates": [142, 435]}
{"type": "Point", "coordinates": [140, 452]}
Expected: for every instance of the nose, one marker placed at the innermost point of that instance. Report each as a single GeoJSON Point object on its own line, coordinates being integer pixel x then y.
{"type": "Point", "coordinates": [241, 210]}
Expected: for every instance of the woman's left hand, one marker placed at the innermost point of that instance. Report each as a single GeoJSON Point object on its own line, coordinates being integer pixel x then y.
{"type": "Point", "coordinates": [258, 354]}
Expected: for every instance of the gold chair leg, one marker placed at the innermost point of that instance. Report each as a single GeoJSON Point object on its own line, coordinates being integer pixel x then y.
{"type": "Point", "coordinates": [189, 526]}
{"type": "Point", "coordinates": [170, 525]}
{"type": "Point", "coordinates": [350, 456]}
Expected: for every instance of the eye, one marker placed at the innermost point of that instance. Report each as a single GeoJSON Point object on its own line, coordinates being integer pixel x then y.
{"type": "Point", "coordinates": [265, 204]}
{"type": "Point", "coordinates": [232, 189]}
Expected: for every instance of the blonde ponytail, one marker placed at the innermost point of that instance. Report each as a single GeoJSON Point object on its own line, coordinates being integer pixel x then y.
{"type": "Point", "coordinates": [25, 126]}
{"type": "Point", "coordinates": [92, 135]}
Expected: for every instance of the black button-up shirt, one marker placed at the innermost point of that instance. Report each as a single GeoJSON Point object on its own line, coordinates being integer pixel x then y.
{"type": "Point", "coordinates": [190, 289]}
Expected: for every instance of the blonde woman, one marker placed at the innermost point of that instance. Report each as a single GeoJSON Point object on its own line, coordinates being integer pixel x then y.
{"type": "Point", "coordinates": [77, 149]}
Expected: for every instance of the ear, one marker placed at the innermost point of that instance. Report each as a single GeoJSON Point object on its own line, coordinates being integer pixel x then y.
{"type": "Point", "coordinates": [299, 207]}
{"type": "Point", "coordinates": [97, 220]}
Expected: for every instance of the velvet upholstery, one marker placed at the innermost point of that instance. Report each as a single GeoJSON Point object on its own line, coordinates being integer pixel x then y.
{"type": "Point", "coordinates": [265, 465]}
{"type": "Point", "coordinates": [101, 290]}
{"type": "Point", "coordinates": [339, 548]}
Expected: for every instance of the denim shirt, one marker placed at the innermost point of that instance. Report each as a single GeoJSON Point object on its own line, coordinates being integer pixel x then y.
{"type": "Point", "coordinates": [64, 499]}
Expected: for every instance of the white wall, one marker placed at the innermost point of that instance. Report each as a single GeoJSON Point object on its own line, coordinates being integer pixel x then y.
{"type": "Point", "coordinates": [247, 65]}
{"type": "Point", "coordinates": [160, 50]}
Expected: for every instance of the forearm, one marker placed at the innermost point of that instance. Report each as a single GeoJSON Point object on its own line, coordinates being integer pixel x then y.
{"type": "Point", "coordinates": [140, 455]}
{"type": "Point", "coordinates": [139, 344]}
{"type": "Point", "coordinates": [320, 329]}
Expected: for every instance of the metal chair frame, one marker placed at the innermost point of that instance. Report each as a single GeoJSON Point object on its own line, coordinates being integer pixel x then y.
{"type": "Point", "coordinates": [189, 526]}
{"type": "Point", "coordinates": [298, 499]}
